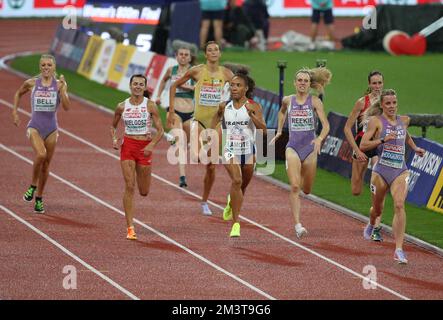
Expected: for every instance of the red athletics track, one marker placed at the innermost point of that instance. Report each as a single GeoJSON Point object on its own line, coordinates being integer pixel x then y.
{"type": "Point", "coordinates": [185, 255]}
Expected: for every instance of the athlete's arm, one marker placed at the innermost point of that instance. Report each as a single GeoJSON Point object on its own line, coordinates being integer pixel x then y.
{"type": "Point", "coordinates": [256, 114]}
{"type": "Point", "coordinates": [318, 106]}
{"type": "Point", "coordinates": [218, 115]}
{"type": "Point", "coordinates": [419, 151]}
{"type": "Point", "coordinates": [163, 84]}
{"type": "Point", "coordinates": [347, 129]}
{"type": "Point", "coordinates": [367, 141]}
{"type": "Point", "coordinates": [281, 117]}
{"type": "Point", "coordinates": [152, 108]}
{"type": "Point", "coordinates": [24, 88]}
{"type": "Point", "coordinates": [117, 116]}
{"type": "Point", "coordinates": [63, 90]}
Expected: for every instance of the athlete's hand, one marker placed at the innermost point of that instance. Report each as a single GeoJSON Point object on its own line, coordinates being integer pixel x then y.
{"type": "Point", "coordinates": [249, 109]}
{"type": "Point", "coordinates": [15, 118]}
{"type": "Point", "coordinates": [361, 156]}
{"type": "Point", "coordinates": [391, 136]}
{"type": "Point", "coordinates": [63, 84]}
{"type": "Point", "coordinates": [317, 145]}
{"type": "Point", "coordinates": [277, 136]}
{"type": "Point", "coordinates": [170, 120]}
{"type": "Point", "coordinates": [420, 152]}
{"type": "Point", "coordinates": [115, 143]}
{"type": "Point", "coordinates": [157, 101]}
{"type": "Point", "coordinates": [148, 150]}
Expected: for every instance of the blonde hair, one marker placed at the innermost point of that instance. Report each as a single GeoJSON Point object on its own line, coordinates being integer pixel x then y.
{"type": "Point", "coordinates": [50, 57]}
{"type": "Point", "coordinates": [375, 109]}
{"type": "Point", "coordinates": [319, 77]}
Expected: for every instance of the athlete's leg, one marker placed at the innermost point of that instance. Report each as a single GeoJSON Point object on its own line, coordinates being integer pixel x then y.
{"type": "Point", "coordinates": [399, 191]}
{"type": "Point", "coordinates": [128, 170]}
{"type": "Point", "coordinates": [208, 181]}
{"type": "Point", "coordinates": [143, 179]}
{"type": "Point", "coordinates": [358, 173]}
{"type": "Point", "coordinates": [247, 173]}
{"type": "Point", "coordinates": [38, 145]}
{"type": "Point", "coordinates": [308, 171]}
{"type": "Point", "coordinates": [181, 143]}
{"type": "Point", "coordinates": [379, 188]}
{"type": "Point", "coordinates": [49, 145]}
{"type": "Point", "coordinates": [235, 173]}
{"type": "Point", "coordinates": [195, 141]}
{"type": "Point", "coordinates": [293, 168]}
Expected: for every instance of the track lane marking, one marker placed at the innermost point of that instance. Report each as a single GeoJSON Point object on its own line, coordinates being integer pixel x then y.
{"type": "Point", "coordinates": [69, 253]}
{"type": "Point", "coordinates": [313, 252]}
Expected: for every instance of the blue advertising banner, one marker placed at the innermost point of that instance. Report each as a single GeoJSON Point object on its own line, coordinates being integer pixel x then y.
{"type": "Point", "coordinates": [270, 104]}
{"type": "Point", "coordinates": [336, 152]}
{"type": "Point", "coordinates": [80, 44]}
{"type": "Point", "coordinates": [424, 171]}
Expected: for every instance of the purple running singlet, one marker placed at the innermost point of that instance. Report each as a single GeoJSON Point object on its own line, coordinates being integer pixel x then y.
{"type": "Point", "coordinates": [391, 154]}
{"type": "Point", "coordinates": [44, 103]}
{"type": "Point", "coordinates": [301, 123]}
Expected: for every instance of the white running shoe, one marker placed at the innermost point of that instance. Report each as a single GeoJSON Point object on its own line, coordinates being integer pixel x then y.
{"type": "Point", "coordinates": [205, 209]}
{"type": "Point", "coordinates": [300, 231]}
{"type": "Point", "coordinates": [170, 138]}
{"type": "Point", "coordinates": [400, 256]}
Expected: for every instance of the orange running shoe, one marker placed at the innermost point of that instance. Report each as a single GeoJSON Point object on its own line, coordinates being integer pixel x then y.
{"type": "Point", "coordinates": [131, 234]}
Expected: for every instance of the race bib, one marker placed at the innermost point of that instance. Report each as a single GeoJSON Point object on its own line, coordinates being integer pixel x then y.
{"type": "Point", "coordinates": [238, 144]}
{"type": "Point", "coordinates": [392, 156]}
{"type": "Point", "coordinates": [301, 120]}
{"type": "Point", "coordinates": [210, 96]}
{"type": "Point", "coordinates": [137, 122]}
{"type": "Point", "coordinates": [45, 101]}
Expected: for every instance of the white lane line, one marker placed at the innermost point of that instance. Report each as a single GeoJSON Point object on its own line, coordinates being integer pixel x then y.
{"type": "Point", "coordinates": [354, 273]}
{"type": "Point", "coordinates": [109, 206]}
{"type": "Point", "coordinates": [69, 253]}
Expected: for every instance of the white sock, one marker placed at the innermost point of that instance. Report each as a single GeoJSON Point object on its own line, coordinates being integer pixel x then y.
{"type": "Point", "coordinates": [298, 226]}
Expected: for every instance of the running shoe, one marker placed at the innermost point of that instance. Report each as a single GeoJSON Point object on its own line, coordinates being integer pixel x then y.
{"type": "Point", "coordinates": [170, 138]}
{"type": "Point", "coordinates": [183, 183]}
{"type": "Point", "coordinates": [368, 231]}
{"type": "Point", "coordinates": [38, 207]}
{"type": "Point", "coordinates": [29, 194]}
{"type": "Point", "coordinates": [227, 211]}
{"type": "Point", "coordinates": [376, 235]}
{"type": "Point", "coordinates": [131, 234]}
{"type": "Point", "coordinates": [205, 209]}
{"type": "Point", "coordinates": [300, 231]}
{"type": "Point", "coordinates": [235, 231]}
{"type": "Point", "coordinates": [400, 257]}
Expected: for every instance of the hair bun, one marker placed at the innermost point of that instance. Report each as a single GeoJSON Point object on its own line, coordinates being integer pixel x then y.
{"type": "Point", "coordinates": [242, 71]}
